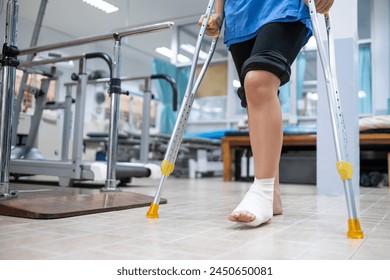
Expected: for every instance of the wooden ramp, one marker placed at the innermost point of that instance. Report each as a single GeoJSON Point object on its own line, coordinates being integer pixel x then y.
{"type": "Point", "coordinates": [52, 202]}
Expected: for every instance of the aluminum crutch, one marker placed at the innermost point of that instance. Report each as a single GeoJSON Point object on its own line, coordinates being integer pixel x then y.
{"type": "Point", "coordinates": [344, 168]}
{"type": "Point", "coordinates": [168, 164]}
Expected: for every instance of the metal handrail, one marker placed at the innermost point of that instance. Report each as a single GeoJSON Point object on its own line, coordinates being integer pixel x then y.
{"type": "Point", "coordinates": [96, 38]}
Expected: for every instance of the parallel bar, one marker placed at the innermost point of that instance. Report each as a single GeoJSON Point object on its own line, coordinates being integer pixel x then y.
{"type": "Point", "coordinates": [106, 80]}
{"type": "Point", "coordinates": [97, 38]}
{"type": "Point", "coordinates": [49, 61]}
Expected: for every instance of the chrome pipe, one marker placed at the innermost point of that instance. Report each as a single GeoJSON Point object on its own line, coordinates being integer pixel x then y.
{"type": "Point", "coordinates": [8, 75]}
{"type": "Point", "coordinates": [97, 38]}
{"type": "Point", "coordinates": [115, 91]}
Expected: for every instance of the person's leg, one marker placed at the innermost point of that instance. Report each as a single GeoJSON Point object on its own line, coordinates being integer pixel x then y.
{"type": "Point", "coordinates": [265, 132]}
{"type": "Point", "coordinates": [277, 203]}
{"type": "Point", "coordinates": [266, 69]}
{"type": "Point", "coordinates": [240, 53]}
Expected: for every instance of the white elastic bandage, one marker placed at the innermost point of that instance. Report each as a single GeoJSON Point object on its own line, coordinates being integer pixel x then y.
{"type": "Point", "coordinates": [258, 201]}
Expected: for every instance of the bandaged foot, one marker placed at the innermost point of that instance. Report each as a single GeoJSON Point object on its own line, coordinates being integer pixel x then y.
{"type": "Point", "coordinates": [257, 206]}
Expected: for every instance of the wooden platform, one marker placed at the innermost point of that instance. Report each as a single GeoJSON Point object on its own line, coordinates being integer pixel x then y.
{"type": "Point", "coordinates": [52, 202]}
{"type": "Point", "coordinates": [230, 143]}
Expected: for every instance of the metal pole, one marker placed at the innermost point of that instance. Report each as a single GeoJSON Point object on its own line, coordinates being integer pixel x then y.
{"type": "Point", "coordinates": [97, 38]}
{"type": "Point", "coordinates": [144, 149]}
{"type": "Point", "coordinates": [115, 91]}
{"type": "Point", "coordinates": [67, 124]}
{"type": "Point", "coordinates": [49, 61]}
{"type": "Point", "coordinates": [78, 130]}
{"type": "Point", "coordinates": [9, 64]}
{"type": "Point", "coordinates": [23, 83]}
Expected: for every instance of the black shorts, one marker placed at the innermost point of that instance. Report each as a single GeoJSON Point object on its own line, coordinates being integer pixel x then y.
{"type": "Point", "coordinates": [274, 49]}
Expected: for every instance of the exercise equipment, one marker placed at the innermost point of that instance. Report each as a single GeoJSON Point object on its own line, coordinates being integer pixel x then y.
{"type": "Point", "coordinates": [28, 151]}
{"type": "Point", "coordinates": [26, 159]}
{"type": "Point", "coordinates": [144, 138]}
{"type": "Point", "coordinates": [70, 201]}
{"type": "Point", "coordinates": [168, 164]}
{"type": "Point", "coordinates": [344, 168]}
{"type": "Point", "coordinates": [198, 155]}
{"type": "Point", "coordinates": [73, 168]}
{"type": "Point", "coordinates": [44, 201]}
{"type": "Point", "coordinates": [76, 169]}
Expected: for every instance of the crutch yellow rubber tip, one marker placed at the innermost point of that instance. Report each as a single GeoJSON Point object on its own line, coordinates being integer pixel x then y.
{"type": "Point", "coordinates": [153, 211]}
{"type": "Point", "coordinates": [354, 230]}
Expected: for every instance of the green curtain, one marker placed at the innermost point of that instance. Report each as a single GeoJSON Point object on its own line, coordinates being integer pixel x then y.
{"type": "Point", "coordinates": [365, 102]}
{"type": "Point", "coordinates": [180, 75]}
{"type": "Point", "coordinates": [284, 95]}
{"type": "Point", "coordinates": [301, 69]}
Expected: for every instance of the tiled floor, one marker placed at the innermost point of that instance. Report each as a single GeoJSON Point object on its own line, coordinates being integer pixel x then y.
{"type": "Point", "coordinates": [194, 225]}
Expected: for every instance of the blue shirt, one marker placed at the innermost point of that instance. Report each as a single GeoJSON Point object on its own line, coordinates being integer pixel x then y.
{"type": "Point", "coordinates": [243, 18]}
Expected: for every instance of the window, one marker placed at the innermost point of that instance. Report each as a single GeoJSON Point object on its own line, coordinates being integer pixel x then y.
{"type": "Point", "coordinates": [365, 73]}
{"type": "Point", "coordinates": [305, 76]}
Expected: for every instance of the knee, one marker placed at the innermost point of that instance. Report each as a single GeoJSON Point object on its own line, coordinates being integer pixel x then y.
{"type": "Point", "coordinates": [263, 73]}
{"type": "Point", "coordinates": [260, 86]}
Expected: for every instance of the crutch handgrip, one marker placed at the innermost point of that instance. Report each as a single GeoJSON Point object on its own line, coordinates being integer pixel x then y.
{"type": "Point", "coordinates": [216, 36]}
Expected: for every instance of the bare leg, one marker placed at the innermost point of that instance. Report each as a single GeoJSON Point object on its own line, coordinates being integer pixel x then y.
{"type": "Point", "coordinates": [266, 136]}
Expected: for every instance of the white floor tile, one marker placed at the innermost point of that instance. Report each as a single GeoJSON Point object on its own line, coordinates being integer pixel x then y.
{"type": "Point", "coordinates": [194, 225]}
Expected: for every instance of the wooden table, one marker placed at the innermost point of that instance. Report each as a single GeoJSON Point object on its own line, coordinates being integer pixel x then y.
{"type": "Point", "coordinates": [230, 143]}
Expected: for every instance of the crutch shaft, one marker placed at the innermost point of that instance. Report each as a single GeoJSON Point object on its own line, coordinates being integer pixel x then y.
{"type": "Point", "coordinates": [344, 168]}
{"type": "Point", "coordinates": [168, 163]}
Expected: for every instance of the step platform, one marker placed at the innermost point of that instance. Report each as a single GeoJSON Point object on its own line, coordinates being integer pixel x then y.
{"type": "Point", "coordinates": [53, 202]}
